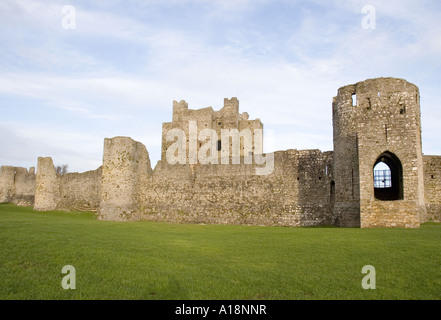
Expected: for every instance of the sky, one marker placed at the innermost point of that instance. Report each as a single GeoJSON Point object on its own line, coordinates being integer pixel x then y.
{"type": "Point", "coordinates": [75, 72]}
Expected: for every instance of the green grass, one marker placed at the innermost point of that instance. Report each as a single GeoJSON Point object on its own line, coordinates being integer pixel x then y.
{"type": "Point", "coordinates": [147, 260]}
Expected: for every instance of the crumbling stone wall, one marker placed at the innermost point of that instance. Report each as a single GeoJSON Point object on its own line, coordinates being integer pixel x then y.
{"type": "Point", "coordinates": [296, 193]}
{"type": "Point", "coordinates": [70, 191]}
{"type": "Point", "coordinates": [17, 185]}
{"type": "Point", "coordinates": [80, 191]}
{"type": "Point", "coordinates": [432, 184]}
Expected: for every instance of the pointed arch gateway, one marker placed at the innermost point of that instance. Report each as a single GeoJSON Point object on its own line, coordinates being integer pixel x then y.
{"type": "Point", "coordinates": [388, 177]}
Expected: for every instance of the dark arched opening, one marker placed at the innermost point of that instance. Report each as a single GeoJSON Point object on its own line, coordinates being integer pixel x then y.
{"type": "Point", "coordinates": [388, 177]}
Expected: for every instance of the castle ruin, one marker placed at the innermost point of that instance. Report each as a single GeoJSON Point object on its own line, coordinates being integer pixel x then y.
{"type": "Point", "coordinates": [374, 121]}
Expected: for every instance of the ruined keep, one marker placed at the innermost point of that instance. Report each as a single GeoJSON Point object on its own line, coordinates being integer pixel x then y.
{"type": "Point", "coordinates": [378, 121]}
{"type": "Point", "coordinates": [213, 170]}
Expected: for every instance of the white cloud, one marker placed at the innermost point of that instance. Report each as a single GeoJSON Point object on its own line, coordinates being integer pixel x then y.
{"type": "Point", "coordinates": [95, 97]}
{"type": "Point", "coordinates": [120, 72]}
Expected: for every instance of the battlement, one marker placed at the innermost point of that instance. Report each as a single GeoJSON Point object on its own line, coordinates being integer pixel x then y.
{"type": "Point", "coordinates": [230, 109]}
{"type": "Point", "coordinates": [231, 105]}
{"type": "Point", "coordinates": [181, 105]}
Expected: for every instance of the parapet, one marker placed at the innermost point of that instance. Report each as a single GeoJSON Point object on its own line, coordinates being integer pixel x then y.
{"type": "Point", "coordinates": [179, 109]}
{"type": "Point", "coordinates": [232, 104]}
{"type": "Point", "coordinates": [372, 92]}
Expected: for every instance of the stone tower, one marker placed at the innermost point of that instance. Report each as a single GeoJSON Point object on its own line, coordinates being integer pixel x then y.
{"type": "Point", "coordinates": [197, 121]}
{"type": "Point", "coordinates": [126, 164]}
{"type": "Point", "coordinates": [47, 190]}
{"type": "Point", "coordinates": [378, 121]}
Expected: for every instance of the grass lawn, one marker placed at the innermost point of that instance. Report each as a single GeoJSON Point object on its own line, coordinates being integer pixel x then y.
{"type": "Point", "coordinates": [150, 260]}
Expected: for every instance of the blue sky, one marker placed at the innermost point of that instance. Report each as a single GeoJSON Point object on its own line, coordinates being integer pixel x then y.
{"type": "Point", "coordinates": [117, 73]}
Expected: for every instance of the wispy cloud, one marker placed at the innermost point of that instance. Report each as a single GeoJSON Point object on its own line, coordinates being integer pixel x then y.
{"type": "Point", "coordinates": [25, 143]}
{"type": "Point", "coordinates": [119, 70]}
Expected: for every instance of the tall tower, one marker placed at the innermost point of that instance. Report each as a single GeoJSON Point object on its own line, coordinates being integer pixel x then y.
{"type": "Point", "coordinates": [47, 189]}
{"type": "Point", "coordinates": [206, 118]}
{"type": "Point", "coordinates": [378, 121]}
{"type": "Point", "coordinates": [126, 165]}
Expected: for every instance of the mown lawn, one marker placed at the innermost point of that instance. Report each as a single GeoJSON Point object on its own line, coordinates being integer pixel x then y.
{"type": "Point", "coordinates": [147, 260]}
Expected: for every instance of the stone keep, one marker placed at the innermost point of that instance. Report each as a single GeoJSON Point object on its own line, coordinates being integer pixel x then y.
{"type": "Point", "coordinates": [206, 118]}
{"type": "Point", "coordinates": [378, 120]}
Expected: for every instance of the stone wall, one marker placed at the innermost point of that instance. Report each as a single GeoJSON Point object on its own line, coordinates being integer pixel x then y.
{"type": "Point", "coordinates": [296, 193]}
{"type": "Point", "coordinates": [17, 185]}
{"type": "Point", "coordinates": [432, 185]}
{"type": "Point", "coordinates": [346, 162]}
{"type": "Point", "coordinates": [70, 191]}
{"type": "Point", "coordinates": [80, 191]}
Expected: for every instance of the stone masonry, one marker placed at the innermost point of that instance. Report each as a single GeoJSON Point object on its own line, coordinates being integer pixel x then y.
{"type": "Point", "coordinates": [375, 121]}
{"type": "Point", "coordinates": [376, 118]}
{"type": "Point", "coordinates": [17, 185]}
